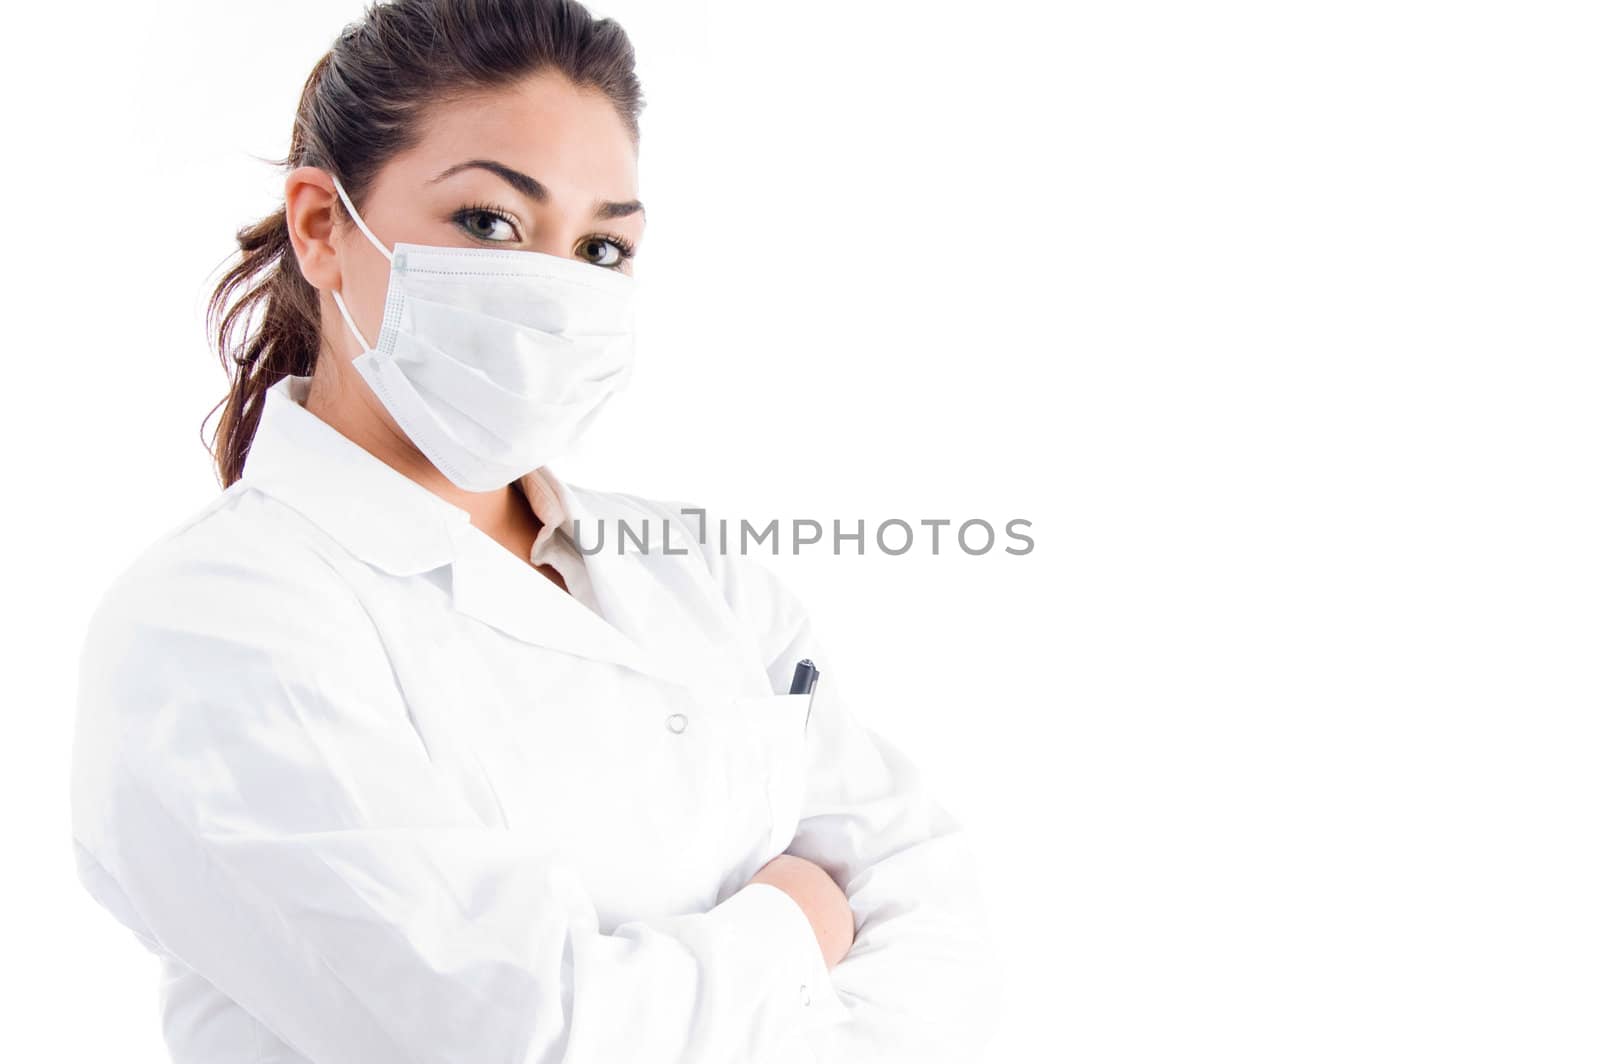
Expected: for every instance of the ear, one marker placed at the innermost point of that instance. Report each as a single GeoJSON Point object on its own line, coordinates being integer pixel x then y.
{"type": "Point", "coordinates": [308, 199]}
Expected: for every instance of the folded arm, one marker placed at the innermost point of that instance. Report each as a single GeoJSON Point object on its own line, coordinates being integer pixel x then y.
{"type": "Point", "coordinates": [920, 982]}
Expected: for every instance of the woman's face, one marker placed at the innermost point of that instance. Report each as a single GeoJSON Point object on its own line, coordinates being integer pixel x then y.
{"type": "Point", "coordinates": [542, 166]}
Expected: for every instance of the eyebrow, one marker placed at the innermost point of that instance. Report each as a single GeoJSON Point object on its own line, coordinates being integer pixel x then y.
{"type": "Point", "coordinates": [535, 191]}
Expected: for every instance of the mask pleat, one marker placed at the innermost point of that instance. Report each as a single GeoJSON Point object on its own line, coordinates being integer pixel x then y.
{"type": "Point", "coordinates": [495, 364]}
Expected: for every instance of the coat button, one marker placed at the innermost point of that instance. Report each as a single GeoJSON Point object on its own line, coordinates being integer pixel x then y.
{"type": "Point", "coordinates": [677, 722]}
{"type": "Point", "coordinates": [805, 994]}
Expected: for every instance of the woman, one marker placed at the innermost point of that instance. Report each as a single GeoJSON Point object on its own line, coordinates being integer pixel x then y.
{"type": "Point", "coordinates": [376, 757]}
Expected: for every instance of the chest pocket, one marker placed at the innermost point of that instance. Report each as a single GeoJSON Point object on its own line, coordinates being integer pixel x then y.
{"type": "Point", "coordinates": [776, 758]}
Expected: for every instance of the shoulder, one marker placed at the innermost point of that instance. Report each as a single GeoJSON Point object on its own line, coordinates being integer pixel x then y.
{"type": "Point", "coordinates": [227, 649]}
{"type": "Point", "coordinates": [223, 586]}
{"type": "Point", "coordinates": [223, 645]}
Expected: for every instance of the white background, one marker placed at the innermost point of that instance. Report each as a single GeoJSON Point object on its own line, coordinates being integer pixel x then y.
{"type": "Point", "coordinates": [1278, 321]}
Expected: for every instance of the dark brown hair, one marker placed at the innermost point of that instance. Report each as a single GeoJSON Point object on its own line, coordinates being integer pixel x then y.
{"type": "Point", "coordinates": [362, 105]}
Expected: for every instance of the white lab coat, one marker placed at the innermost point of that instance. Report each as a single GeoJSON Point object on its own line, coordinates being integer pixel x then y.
{"type": "Point", "coordinates": [375, 790]}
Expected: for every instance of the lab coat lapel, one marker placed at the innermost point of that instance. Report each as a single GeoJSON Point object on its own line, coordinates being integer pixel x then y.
{"type": "Point", "coordinates": [492, 585]}
{"type": "Point", "coordinates": [646, 592]}
{"type": "Point", "coordinates": [647, 619]}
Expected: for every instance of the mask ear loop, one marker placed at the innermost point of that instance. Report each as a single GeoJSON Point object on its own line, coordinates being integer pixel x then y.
{"type": "Point", "coordinates": [355, 216]}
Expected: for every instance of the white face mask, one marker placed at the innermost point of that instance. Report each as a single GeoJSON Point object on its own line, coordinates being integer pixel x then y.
{"type": "Point", "coordinates": [494, 362]}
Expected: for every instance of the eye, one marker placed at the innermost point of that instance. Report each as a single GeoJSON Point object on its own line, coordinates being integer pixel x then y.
{"type": "Point", "coordinates": [621, 250]}
{"type": "Point", "coordinates": [482, 222]}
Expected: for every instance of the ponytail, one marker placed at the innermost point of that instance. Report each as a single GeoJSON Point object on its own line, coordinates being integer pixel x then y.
{"type": "Point", "coordinates": [268, 277]}
{"type": "Point", "coordinates": [265, 282]}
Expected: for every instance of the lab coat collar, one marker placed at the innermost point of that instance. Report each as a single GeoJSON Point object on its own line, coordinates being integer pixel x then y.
{"type": "Point", "coordinates": [386, 518]}
{"type": "Point", "coordinates": [376, 512]}
{"type": "Point", "coordinates": [390, 521]}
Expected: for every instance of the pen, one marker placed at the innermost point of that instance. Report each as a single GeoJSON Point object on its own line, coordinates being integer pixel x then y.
{"type": "Point", "coordinates": [805, 683]}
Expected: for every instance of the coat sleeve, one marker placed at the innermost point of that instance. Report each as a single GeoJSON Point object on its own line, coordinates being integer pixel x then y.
{"type": "Point", "coordinates": [921, 981]}
{"type": "Point", "coordinates": [250, 798]}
